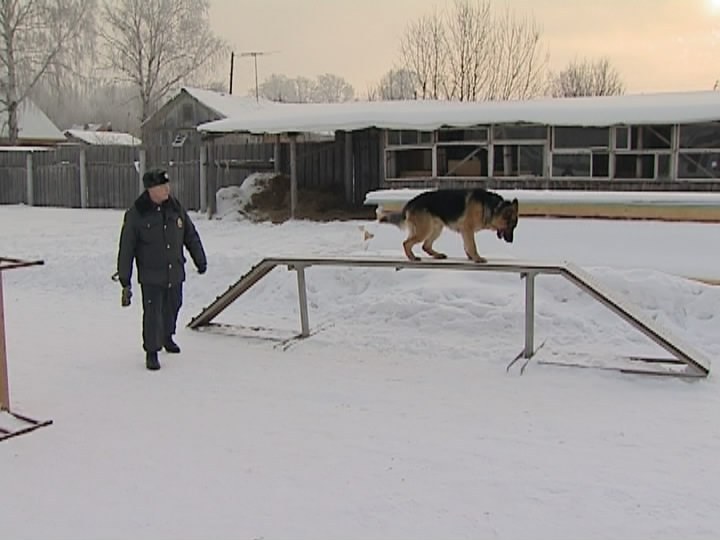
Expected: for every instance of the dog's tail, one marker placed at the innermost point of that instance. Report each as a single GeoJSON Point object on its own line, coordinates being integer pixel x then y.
{"type": "Point", "coordinates": [393, 218]}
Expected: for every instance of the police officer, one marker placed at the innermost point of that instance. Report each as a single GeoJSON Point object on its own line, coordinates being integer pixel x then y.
{"type": "Point", "coordinates": [153, 234]}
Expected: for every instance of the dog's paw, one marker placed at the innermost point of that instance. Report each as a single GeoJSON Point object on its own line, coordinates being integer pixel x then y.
{"type": "Point", "coordinates": [480, 259]}
{"type": "Point", "coordinates": [440, 256]}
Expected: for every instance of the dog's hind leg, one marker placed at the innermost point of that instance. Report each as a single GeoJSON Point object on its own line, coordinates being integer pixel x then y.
{"type": "Point", "coordinates": [419, 227]}
{"type": "Point", "coordinates": [437, 227]}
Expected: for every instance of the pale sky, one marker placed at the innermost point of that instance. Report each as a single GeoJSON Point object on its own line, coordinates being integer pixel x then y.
{"type": "Point", "coordinates": [657, 45]}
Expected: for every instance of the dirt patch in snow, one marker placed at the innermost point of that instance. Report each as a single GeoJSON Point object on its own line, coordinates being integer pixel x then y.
{"type": "Point", "coordinates": [266, 197]}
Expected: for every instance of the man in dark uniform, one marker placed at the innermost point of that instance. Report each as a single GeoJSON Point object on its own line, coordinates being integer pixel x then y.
{"type": "Point", "coordinates": [154, 231]}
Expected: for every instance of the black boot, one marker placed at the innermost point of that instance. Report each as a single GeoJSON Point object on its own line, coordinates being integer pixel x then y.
{"type": "Point", "coordinates": [151, 361]}
{"type": "Point", "coordinates": [171, 346]}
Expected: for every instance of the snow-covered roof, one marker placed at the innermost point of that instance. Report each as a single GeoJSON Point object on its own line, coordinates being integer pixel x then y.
{"type": "Point", "coordinates": [33, 124]}
{"type": "Point", "coordinates": [104, 137]}
{"type": "Point", "coordinates": [228, 105]}
{"type": "Point", "coordinates": [25, 149]}
{"type": "Point", "coordinates": [422, 115]}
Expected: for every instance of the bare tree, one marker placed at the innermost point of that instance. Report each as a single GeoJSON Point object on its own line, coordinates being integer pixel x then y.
{"type": "Point", "coordinates": [423, 52]}
{"type": "Point", "coordinates": [471, 53]}
{"type": "Point", "coordinates": [469, 40]}
{"type": "Point", "coordinates": [156, 44]}
{"type": "Point", "coordinates": [331, 88]}
{"type": "Point", "coordinates": [38, 38]}
{"type": "Point", "coordinates": [325, 88]}
{"type": "Point", "coordinates": [520, 65]}
{"type": "Point", "coordinates": [587, 78]}
{"type": "Point", "coordinates": [89, 102]}
{"type": "Point", "coordinates": [278, 88]}
{"type": "Point", "coordinates": [397, 84]}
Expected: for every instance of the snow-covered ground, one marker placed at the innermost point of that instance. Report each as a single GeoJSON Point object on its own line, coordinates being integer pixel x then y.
{"type": "Point", "coordinates": [397, 419]}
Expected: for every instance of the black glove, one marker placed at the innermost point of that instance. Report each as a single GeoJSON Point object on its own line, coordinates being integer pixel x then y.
{"type": "Point", "coordinates": [126, 296]}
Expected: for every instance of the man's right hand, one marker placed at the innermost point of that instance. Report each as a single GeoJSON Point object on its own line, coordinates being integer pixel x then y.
{"type": "Point", "coordinates": [126, 296]}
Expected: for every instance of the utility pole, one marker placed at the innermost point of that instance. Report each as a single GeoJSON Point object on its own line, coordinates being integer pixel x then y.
{"type": "Point", "coordinates": [255, 54]}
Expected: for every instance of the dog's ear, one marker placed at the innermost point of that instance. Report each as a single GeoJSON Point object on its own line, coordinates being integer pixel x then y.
{"type": "Point", "coordinates": [515, 205]}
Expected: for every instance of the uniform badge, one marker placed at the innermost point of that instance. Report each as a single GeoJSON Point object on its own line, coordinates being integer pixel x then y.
{"type": "Point", "coordinates": [180, 223]}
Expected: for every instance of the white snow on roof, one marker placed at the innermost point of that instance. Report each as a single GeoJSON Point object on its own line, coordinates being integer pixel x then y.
{"type": "Point", "coordinates": [660, 108]}
{"type": "Point", "coordinates": [104, 137]}
{"type": "Point", "coordinates": [228, 105]}
{"type": "Point", "coordinates": [32, 123]}
{"type": "Point", "coordinates": [399, 196]}
{"type": "Point", "coordinates": [25, 149]}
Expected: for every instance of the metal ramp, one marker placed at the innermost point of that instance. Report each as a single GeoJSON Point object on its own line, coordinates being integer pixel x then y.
{"type": "Point", "coordinates": [684, 361]}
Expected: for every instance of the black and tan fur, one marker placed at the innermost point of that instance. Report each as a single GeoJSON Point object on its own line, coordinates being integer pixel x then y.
{"type": "Point", "coordinates": [465, 211]}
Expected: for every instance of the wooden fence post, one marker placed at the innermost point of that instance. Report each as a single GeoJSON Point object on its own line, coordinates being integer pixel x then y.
{"type": "Point", "coordinates": [293, 175]}
{"type": "Point", "coordinates": [276, 154]}
{"type": "Point", "coordinates": [349, 173]}
{"type": "Point", "coordinates": [212, 180]}
{"type": "Point", "coordinates": [30, 186]}
{"type": "Point", "coordinates": [141, 170]}
{"type": "Point", "coordinates": [83, 180]}
{"type": "Point", "coordinates": [203, 178]}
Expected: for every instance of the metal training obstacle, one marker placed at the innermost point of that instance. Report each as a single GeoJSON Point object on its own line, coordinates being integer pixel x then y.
{"type": "Point", "coordinates": [18, 424]}
{"type": "Point", "coordinates": [684, 362]}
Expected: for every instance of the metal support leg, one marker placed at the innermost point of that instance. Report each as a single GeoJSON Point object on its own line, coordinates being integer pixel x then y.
{"type": "Point", "coordinates": [302, 295]}
{"type": "Point", "coordinates": [529, 315]}
{"type": "Point", "coordinates": [4, 382]}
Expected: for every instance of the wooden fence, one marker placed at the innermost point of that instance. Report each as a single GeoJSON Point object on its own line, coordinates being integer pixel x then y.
{"type": "Point", "coordinates": [110, 176]}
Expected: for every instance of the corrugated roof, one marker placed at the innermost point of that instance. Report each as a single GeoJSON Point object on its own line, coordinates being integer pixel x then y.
{"type": "Point", "coordinates": [659, 108]}
{"type": "Point", "coordinates": [33, 124]}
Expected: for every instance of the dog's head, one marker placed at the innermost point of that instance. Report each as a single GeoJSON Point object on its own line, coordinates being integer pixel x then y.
{"type": "Point", "coordinates": [506, 219]}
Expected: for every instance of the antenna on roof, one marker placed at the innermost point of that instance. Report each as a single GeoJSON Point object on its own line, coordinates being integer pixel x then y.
{"type": "Point", "coordinates": [255, 54]}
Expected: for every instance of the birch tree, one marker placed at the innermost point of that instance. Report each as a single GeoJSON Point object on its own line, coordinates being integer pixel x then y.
{"type": "Point", "coordinates": [398, 84]}
{"type": "Point", "coordinates": [423, 52]}
{"type": "Point", "coordinates": [154, 45]}
{"type": "Point", "coordinates": [471, 52]}
{"type": "Point", "coordinates": [39, 39]}
{"type": "Point", "coordinates": [587, 78]}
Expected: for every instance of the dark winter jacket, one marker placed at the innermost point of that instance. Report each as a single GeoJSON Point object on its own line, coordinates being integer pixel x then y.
{"type": "Point", "coordinates": [153, 236]}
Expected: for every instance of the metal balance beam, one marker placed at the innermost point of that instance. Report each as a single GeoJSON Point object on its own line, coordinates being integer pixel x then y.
{"type": "Point", "coordinates": [696, 365]}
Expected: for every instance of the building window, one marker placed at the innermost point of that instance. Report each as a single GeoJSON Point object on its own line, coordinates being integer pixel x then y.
{"type": "Point", "coordinates": [462, 160]}
{"type": "Point", "coordinates": [622, 138]}
{"type": "Point", "coordinates": [478, 134]}
{"type": "Point", "coordinates": [700, 135]}
{"type": "Point", "coordinates": [405, 137]}
{"type": "Point", "coordinates": [651, 137]}
{"type": "Point", "coordinates": [410, 163]}
{"type": "Point", "coordinates": [630, 166]}
{"type": "Point", "coordinates": [518, 160]}
{"type": "Point", "coordinates": [663, 167]}
{"type": "Point", "coordinates": [520, 132]}
{"type": "Point", "coordinates": [577, 165]}
{"type": "Point", "coordinates": [699, 165]}
{"type": "Point", "coordinates": [580, 137]}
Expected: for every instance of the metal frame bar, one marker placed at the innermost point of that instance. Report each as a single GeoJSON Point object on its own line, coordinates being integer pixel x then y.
{"type": "Point", "coordinates": [4, 377]}
{"type": "Point", "coordinates": [696, 364]}
{"type": "Point", "coordinates": [7, 263]}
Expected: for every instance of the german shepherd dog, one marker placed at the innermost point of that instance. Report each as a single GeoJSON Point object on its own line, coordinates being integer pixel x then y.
{"type": "Point", "coordinates": [465, 211]}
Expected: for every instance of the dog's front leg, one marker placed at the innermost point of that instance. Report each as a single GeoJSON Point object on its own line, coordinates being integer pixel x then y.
{"type": "Point", "coordinates": [470, 247]}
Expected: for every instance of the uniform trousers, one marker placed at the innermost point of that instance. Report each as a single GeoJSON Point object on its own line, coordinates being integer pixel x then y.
{"type": "Point", "coordinates": [161, 306]}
